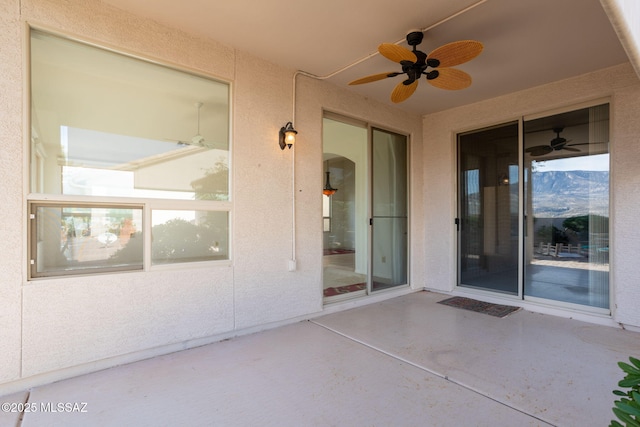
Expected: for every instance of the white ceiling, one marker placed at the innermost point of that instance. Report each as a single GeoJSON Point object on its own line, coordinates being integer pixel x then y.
{"type": "Point", "coordinates": [526, 42]}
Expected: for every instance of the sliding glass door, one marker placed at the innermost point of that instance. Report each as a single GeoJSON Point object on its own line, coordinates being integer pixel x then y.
{"type": "Point", "coordinates": [365, 207]}
{"type": "Point", "coordinates": [566, 161]}
{"type": "Point", "coordinates": [488, 209]}
{"type": "Point", "coordinates": [389, 209]}
{"type": "Point", "coordinates": [345, 209]}
{"type": "Point", "coordinates": [533, 211]}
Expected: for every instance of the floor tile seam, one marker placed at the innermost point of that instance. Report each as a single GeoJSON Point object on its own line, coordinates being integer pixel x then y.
{"type": "Point", "coordinates": [430, 371]}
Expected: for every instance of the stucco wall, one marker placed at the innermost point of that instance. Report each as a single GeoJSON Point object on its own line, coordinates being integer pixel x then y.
{"type": "Point", "coordinates": [621, 84]}
{"type": "Point", "coordinates": [74, 325]}
{"type": "Point", "coordinates": [625, 151]}
{"type": "Point", "coordinates": [11, 184]}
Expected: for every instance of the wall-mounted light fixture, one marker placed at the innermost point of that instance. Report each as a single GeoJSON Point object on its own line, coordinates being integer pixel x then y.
{"type": "Point", "coordinates": [328, 190]}
{"type": "Point", "coordinates": [287, 136]}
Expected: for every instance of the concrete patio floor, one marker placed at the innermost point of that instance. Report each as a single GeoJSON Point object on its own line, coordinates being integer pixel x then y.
{"type": "Point", "coordinates": [407, 361]}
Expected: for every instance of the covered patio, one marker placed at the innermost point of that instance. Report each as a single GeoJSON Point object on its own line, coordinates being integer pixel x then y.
{"type": "Point", "coordinates": [405, 361]}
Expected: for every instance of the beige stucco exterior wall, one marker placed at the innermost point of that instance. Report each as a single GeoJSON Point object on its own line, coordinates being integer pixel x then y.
{"type": "Point", "coordinates": [622, 86]}
{"type": "Point", "coordinates": [56, 328]}
{"type": "Point", "coordinates": [11, 185]}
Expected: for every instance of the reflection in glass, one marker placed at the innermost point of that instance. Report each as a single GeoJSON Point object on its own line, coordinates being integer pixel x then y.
{"type": "Point", "coordinates": [488, 209]}
{"type": "Point", "coordinates": [345, 218]}
{"type": "Point", "coordinates": [103, 164]}
{"type": "Point", "coordinates": [82, 239]}
{"type": "Point", "coordinates": [188, 236]}
{"type": "Point", "coordinates": [390, 207]}
{"type": "Point", "coordinates": [567, 201]}
{"type": "Point", "coordinates": [106, 124]}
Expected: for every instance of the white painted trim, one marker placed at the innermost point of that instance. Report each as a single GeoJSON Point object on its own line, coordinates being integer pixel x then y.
{"type": "Point", "coordinates": [624, 16]}
{"type": "Point", "coordinates": [379, 296]}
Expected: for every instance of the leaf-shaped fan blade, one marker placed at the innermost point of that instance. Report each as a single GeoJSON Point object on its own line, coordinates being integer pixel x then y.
{"type": "Point", "coordinates": [570, 149]}
{"type": "Point", "coordinates": [374, 78]}
{"type": "Point", "coordinates": [451, 79]}
{"type": "Point", "coordinates": [456, 53]}
{"type": "Point", "coordinates": [539, 150]}
{"type": "Point", "coordinates": [396, 53]}
{"type": "Point", "coordinates": [403, 91]}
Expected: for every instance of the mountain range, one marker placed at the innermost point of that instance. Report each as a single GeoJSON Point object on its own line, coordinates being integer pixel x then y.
{"type": "Point", "coordinates": [563, 194]}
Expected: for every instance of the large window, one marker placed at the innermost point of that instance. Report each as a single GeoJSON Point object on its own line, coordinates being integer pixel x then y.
{"type": "Point", "coordinates": [121, 143]}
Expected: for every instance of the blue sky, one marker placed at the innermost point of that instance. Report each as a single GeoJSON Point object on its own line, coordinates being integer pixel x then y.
{"type": "Point", "coordinates": [599, 162]}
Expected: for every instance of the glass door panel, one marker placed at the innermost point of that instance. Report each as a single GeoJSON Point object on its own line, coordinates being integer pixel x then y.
{"type": "Point", "coordinates": [566, 163]}
{"type": "Point", "coordinates": [345, 212]}
{"type": "Point", "coordinates": [389, 210]}
{"type": "Point", "coordinates": [488, 209]}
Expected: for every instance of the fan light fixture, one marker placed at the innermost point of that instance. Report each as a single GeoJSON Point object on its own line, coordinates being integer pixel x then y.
{"type": "Point", "coordinates": [287, 136]}
{"type": "Point", "coordinates": [437, 66]}
{"type": "Point", "coordinates": [328, 190]}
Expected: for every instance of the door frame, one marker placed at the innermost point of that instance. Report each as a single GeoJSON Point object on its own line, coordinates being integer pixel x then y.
{"type": "Point", "coordinates": [468, 289]}
{"type": "Point", "coordinates": [369, 207]}
{"type": "Point", "coordinates": [522, 213]}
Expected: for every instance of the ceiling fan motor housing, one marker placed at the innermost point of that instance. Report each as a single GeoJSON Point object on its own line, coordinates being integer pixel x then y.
{"type": "Point", "coordinates": [558, 142]}
{"type": "Point", "coordinates": [414, 38]}
{"type": "Point", "coordinates": [417, 69]}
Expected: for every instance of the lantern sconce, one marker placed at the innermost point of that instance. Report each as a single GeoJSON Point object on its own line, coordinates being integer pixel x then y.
{"type": "Point", "coordinates": [287, 136]}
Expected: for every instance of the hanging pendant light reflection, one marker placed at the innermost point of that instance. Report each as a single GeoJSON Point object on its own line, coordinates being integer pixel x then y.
{"type": "Point", "coordinates": [328, 189]}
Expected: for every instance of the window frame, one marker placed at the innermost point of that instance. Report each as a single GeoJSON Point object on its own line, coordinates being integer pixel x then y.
{"type": "Point", "coordinates": [147, 205]}
{"type": "Point", "coordinates": [33, 238]}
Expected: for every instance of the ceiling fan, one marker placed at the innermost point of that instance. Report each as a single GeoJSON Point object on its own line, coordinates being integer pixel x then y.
{"type": "Point", "coordinates": [556, 144]}
{"type": "Point", "coordinates": [197, 140]}
{"type": "Point", "coordinates": [416, 63]}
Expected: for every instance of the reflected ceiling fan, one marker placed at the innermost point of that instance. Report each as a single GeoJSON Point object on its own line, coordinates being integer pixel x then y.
{"type": "Point", "coordinates": [197, 140]}
{"type": "Point", "coordinates": [416, 63]}
{"type": "Point", "coordinates": [556, 144]}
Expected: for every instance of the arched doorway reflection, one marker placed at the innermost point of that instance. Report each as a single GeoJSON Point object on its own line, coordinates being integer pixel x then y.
{"type": "Point", "coordinates": [344, 244]}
